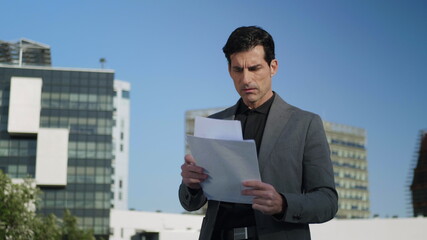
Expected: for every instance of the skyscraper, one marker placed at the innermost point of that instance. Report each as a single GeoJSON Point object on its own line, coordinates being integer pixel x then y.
{"type": "Point", "coordinates": [419, 180]}
{"type": "Point", "coordinates": [68, 129]}
{"type": "Point", "coordinates": [349, 158]}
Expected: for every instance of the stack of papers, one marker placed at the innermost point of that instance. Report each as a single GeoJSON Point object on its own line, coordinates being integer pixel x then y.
{"type": "Point", "coordinates": [219, 148]}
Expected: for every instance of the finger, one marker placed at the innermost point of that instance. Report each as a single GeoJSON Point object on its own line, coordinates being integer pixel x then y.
{"type": "Point", "coordinates": [190, 171]}
{"type": "Point", "coordinates": [252, 192]}
{"type": "Point", "coordinates": [191, 180]}
{"type": "Point", "coordinates": [200, 176]}
{"type": "Point", "coordinates": [191, 183]}
{"type": "Point", "coordinates": [190, 164]}
{"type": "Point", "coordinates": [262, 208]}
{"type": "Point", "coordinates": [255, 184]}
{"type": "Point", "coordinates": [191, 168]}
{"type": "Point", "coordinates": [263, 202]}
{"type": "Point", "coordinates": [189, 159]}
{"type": "Point", "coordinates": [265, 191]}
{"type": "Point", "coordinates": [251, 183]}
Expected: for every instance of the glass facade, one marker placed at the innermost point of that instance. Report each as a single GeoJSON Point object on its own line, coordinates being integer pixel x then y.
{"type": "Point", "coordinates": [81, 101]}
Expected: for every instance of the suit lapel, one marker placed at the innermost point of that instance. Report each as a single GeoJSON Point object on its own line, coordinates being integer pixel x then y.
{"type": "Point", "coordinates": [279, 114]}
{"type": "Point", "coordinates": [227, 114]}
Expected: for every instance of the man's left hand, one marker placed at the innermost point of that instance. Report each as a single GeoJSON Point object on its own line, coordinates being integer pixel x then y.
{"type": "Point", "coordinates": [266, 199]}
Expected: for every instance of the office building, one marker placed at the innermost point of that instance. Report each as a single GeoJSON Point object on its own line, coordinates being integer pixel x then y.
{"type": "Point", "coordinates": [68, 130]}
{"type": "Point", "coordinates": [419, 180]}
{"type": "Point", "coordinates": [56, 127]}
{"type": "Point", "coordinates": [349, 158]}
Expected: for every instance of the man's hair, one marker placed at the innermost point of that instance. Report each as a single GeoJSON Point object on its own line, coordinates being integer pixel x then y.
{"type": "Point", "coordinates": [246, 38]}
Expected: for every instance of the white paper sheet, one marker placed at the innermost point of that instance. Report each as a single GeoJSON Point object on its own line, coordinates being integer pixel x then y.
{"type": "Point", "coordinates": [218, 129]}
{"type": "Point", "coordinates": [227, 162]}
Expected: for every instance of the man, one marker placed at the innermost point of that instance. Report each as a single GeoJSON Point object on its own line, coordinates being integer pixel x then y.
{"type": "Point", "coordinates": [297, 186]}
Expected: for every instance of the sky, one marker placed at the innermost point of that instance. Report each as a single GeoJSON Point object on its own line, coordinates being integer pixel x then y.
{"type": "Point", "coordinates": [360, 63]}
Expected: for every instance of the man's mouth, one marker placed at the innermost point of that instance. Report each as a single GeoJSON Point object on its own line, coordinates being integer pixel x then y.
{"type": "Point", "coordinates": [249, 90]}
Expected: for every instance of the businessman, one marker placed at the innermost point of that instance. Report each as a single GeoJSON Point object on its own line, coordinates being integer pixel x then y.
{"type": "Point", "coordinates": [297, 181]}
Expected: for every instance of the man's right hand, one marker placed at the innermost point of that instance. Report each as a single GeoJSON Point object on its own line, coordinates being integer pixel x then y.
{"type": "Point", "coordinates": [192, 175]}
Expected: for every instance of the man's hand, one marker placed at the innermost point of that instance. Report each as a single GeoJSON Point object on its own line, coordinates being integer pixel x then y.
{"type": "Point", "coordinates": [192, 175]}
{"type": "Point", "coordinates": [267, 200]}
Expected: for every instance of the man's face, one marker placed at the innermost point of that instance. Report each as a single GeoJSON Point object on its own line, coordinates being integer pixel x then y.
{"type": "Point", "coordinates": [252, 76]}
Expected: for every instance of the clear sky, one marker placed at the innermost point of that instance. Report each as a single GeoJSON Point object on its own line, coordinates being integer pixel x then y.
{"type": "Point", "coordinates": [361, 63]}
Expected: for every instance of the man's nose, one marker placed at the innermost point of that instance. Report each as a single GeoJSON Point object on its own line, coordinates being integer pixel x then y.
{"type": "Point", "coordinates": [246, 76]}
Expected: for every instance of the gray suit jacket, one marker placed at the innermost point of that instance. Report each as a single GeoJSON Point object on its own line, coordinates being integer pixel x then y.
{"type": "Point", "coordinates": [294, 158]}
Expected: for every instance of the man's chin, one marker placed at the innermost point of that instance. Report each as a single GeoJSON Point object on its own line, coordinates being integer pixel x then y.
{"type": "Point", "coordinates": [250, 102]}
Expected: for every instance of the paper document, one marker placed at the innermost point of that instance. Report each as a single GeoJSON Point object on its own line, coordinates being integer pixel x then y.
{"type": "Point", "coordinates": [227, 162]}
{"type": "Point", "coordinates": [218, 129]}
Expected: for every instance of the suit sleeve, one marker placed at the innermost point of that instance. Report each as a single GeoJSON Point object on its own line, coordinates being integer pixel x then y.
{"type": "Point", "coordinates": [318, 201]}
{"type": "Point", "coordinates": [191, 200]}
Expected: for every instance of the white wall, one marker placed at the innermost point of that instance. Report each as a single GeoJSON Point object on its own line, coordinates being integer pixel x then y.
{"type": "Point", "coordinates": [371, 229]}
{"type": "Point", "coordinates": [52, 156]}
{"type": "Point", "coordinates": [24, 105]}
{"type": "Point", "coordinates": [187, 227]}
{"type": "Point", "coordinates": [121, 136]}
{"type": "Point", "coordinates": [169, 226]}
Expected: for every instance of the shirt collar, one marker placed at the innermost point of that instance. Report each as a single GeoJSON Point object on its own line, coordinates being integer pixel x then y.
{"type": "Point", "coordinates": [264, 108]}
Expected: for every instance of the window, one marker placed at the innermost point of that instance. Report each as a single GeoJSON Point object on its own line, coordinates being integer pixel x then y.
{"type": "Point", "coordinates": [125, 94]}
{"type": "Point", "coordinates": [149, 235]}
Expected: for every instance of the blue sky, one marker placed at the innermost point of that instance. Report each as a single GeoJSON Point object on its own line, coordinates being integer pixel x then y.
{"type": "Point", "coordinates": [361, 63]}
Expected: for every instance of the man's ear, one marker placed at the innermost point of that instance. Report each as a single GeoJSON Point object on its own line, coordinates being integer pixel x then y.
{"type": "Point", "coordinates": [274, 66]}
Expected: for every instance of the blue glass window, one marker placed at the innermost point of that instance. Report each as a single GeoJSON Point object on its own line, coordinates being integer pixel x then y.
{"type": "Point", "coordinates": [125, 94]}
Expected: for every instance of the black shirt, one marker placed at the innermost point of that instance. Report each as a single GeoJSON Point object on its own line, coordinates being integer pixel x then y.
{"type": "Point", "coordinates": [253, 120]}
{"type": "Point", "coordinates": [234, 215]}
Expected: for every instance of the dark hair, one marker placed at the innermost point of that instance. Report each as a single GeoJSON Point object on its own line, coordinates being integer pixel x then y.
{"type": "Point", "coordinates": [245, 38]}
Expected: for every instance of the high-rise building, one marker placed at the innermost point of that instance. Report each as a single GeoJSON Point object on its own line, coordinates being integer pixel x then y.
{"type": "Point", "coordinates": [121, 135]}
{"type": "Point", "coordinates": [25, 52]}
{"type": "Point", "coordinates": [419, 180]}
{"type": "Point", "coordinates": [56, 127]}
{"type": "Point", "coordinates": [349, 158]}
{"type": "Point", "coordinates": [68, 129]}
